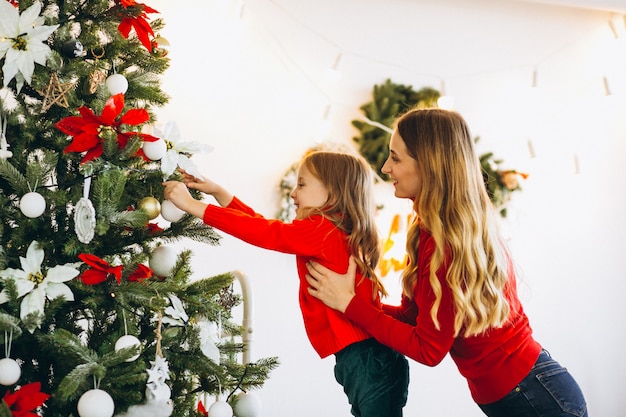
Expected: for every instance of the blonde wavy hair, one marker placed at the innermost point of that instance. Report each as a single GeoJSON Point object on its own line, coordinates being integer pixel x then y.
{"type": "Point", "coordinates": [349, 180]}
{"type": "Point", "coordinates": [453, 205]}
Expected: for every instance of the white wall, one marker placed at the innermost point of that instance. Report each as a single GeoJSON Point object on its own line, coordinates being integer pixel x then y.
{"type": "Point", "coordinates": [250, 81]}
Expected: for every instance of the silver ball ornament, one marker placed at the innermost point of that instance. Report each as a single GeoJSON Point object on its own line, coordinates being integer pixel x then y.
{"type": "Point", "coordinates": [95, 403]}
{"type": "Point", "coordinates": [170, 212]}
{"type": "Point", "coordinates": [117, 84]}
{"type": "Point", "coordinates": [220, 409]}
{"type": "Point", "coordinates": [10, 371]}
{"type": "Point", "coordinates": [155, 151]}
{"type": "Point", "coordinates": [162, 260]}
{"type": "Point", "coordinates": [248, 405]}
{"type": "Point", "coordinates": [127, 341]}
{"type": "Point", "coordinates": [32, 204]}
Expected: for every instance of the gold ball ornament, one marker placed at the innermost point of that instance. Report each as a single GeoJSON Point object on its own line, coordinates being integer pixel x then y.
{"type": "Point", "coordinates": [151, 206]}
{"type": "Point", "coordinates": [160, 46]}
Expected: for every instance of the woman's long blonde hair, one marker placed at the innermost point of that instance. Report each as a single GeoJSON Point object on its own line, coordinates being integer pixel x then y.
{"type": "Point", "coordinates": [453, 205]}
{"type": "Point", "coordinates": [349, 180]}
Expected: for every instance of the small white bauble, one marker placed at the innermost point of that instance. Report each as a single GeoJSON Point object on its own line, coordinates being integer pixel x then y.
{"type": "Point", "coordinates": [170, 212]}
{"type": "Point", "coordinates": [10, 371]}
{"type": "Point", "coordinates": [127, 341]}
{"type": "Point", "coordinates": [248, 405]}
{"type": "Point", "coordinates": [96, 403]}
{"type": "Point", "coordinates": [117, 84]}
{"type": "Point", "coordinates": [162, 260]}
{"type": "Point", "coordinates": [32, 204]}
{"type": "Point", "coordinates": [156, 150]}
{"type": "Point", "coordinates": [220, 409]}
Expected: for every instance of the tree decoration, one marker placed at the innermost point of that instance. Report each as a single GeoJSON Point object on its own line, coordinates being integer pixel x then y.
{"type": "Point", "coordinates": [24, 401]}
{"type": "Point", "coordinates": [73, 48]}
{"type": "Point", "coordinates": [151, 206]}
{"type": "Point", "coordinates": [5, 153]}
{"type": "Point", "coordinates": [89, 131]}
{"type": "Point", "coordinates": [162, 260]}
{"type": "Point", "coordinates": [32, 204]}
{"type": "Point", "coordinates": [55, 93]}
{"type": "Point", "coordinates": [10, 371]}
{"type": "Point", "coordinates": [22, 40]}
{"type": "Point", "coordinates": [135, 17]}
{"type": "Point", "coordinates": [178, 150]}
{"type": "Point", "coordinates": [155, 150]}
{"type": "Point", "coordinates": [170, 212]}
{"type": "Point", "coordinates": [95, 403]}
{"type": "Point", "coordinates": [116, 84]}
{"type": "Point", "coordinates": [99, 270]}
{"type": "Point", "coordinates": [85, 215]}
{"type": "Point", "coordinates": [35, 286]}
{"type": "Point", "coordinates": [127, 341]}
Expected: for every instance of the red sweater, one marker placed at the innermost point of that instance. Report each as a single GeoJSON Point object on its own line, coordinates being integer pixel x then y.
{"type": "Point", "coordinates": [315, 238]}
{"type": "Point", "coordinates": [493, 362]}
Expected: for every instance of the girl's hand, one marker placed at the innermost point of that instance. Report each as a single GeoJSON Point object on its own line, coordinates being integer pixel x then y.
{"type": "Point", "coordinates": [177, 193]}
{"type": "Point", "coordinates": [207, 186]}
{"type": "Point", "coordinates": [333, 289]}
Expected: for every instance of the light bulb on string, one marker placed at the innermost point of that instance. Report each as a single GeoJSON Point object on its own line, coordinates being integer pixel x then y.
{"type": "Point", "coordinates": [324, 126]}
{"type": "Point", "coordinates": [444, 101]}
{"type": "Point", "coordinates": [333, 73]}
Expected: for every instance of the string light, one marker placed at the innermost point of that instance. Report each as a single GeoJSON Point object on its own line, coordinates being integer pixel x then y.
{"type": "Point", "coordinates": [445, 101]}
{"type": "Point", "coordinates": [333, 73]}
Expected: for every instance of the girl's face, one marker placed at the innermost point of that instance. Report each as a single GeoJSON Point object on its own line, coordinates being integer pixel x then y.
{"type": "Point", "coordinates": [310, 192]}
{"type": "Point", "coordinates": [402, 169]}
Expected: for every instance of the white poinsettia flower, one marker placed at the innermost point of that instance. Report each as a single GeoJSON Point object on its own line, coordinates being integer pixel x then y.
{"type": "Point", "coordinates": [179, 150]}
{"type": "Point", "coordinates": [34, 285]}
{"type": "Point", "coordinates": [175, 313]}
{"type": "Point", "coordinates": [22, 42]}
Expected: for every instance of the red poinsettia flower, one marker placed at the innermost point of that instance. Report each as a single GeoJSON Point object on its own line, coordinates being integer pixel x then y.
{"type": "Point", "coordinates": [89, 130]}
{"type": "Point", "coordinates": [154, 228]}
{"type": "Point", "coordinates": [24, 401]}
{"type": "Point", "coordinates": [99, 271]}
{"type": "Point", "coordinates": [135, 17]}
{"type": "Point", "coordinates": [141, 274]}
{"type": "Point", "coordinates": [202, 410]}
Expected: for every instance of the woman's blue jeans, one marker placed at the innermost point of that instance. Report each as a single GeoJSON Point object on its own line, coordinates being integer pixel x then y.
{"type": "Point", "coordinates": [549, 390]}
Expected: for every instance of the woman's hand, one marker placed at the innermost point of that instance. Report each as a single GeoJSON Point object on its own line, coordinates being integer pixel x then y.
{"type": "Point", "coordinates": [333, 289]}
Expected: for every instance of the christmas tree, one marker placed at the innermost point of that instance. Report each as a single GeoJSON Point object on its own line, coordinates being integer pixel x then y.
{"type": "Point", "coordinates": [99, 315]}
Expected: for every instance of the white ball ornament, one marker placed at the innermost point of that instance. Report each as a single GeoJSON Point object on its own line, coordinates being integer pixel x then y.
{"type": "Point", "coordinates": [220, 409]}
{"type": "Point", "coordinates": [117, 84]}
{"type": "Point", "coordinates": [162, 260]}
{"type": "Point", "coordinates": [155, 151]}
{"type": "Point", "coordinates": [170, 212]}
{"type": "Point", "coordinates": [127, 341]}
{"type": "Point", "coordinates": [32, 204]}
{"type": "Point", "coordinates": [248, 405]}
{"type": "Point", "coordinates": [96, 403]}
{"type": "Point", "coordinates": [10, 371]}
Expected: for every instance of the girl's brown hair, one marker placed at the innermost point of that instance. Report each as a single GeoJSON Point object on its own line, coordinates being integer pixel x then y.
{"type": "Point", "coordinates": [349, 180]}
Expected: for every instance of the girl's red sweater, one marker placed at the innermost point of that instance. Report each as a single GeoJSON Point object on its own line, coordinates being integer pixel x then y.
{"type": "Point", "coordinates": [314, 238]}
{"type": "Point", "coordinates": [493, 362]}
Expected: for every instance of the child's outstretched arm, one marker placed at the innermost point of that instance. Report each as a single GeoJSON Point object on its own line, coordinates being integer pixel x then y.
{"type": "Point", "coordinates": [178, 193]}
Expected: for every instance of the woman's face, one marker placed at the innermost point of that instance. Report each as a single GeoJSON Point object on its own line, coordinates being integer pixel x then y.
{"type": "Point", "coordinates": [402, 169]}
{"type": "Point", "coordinates": [309, 192]}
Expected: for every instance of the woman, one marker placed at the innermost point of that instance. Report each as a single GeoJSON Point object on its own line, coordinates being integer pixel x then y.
{"type": "Point", "coordinates": [459, 291]}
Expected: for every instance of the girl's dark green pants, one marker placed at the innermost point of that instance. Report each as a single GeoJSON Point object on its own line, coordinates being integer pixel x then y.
{"type": "Point", "coordinates": [374, 377]}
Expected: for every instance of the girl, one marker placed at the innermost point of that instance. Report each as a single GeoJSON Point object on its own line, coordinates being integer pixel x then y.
{"type": "Point", "coordinates": [334, 220]}
{"type": "Point", "coordinates": [459, 292]}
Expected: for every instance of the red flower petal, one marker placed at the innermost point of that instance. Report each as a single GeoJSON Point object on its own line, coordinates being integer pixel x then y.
{"type": "Point", "coordinates": [135, 117]}
{"type": "Point", "coordinates": [112, 108]}
{"type": "Point", "coordinates": [83, 142]}
{"type": "Point", "coordinates": [93, 276]}
{"type": "Point", "coordinates": [141, 273]}
{"type": "Point", "coordinates": [125, 26]}
{"type": "Point", "coordinates": [94, 261]}
{"type": "Point", "coordinates": [26, 399]}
